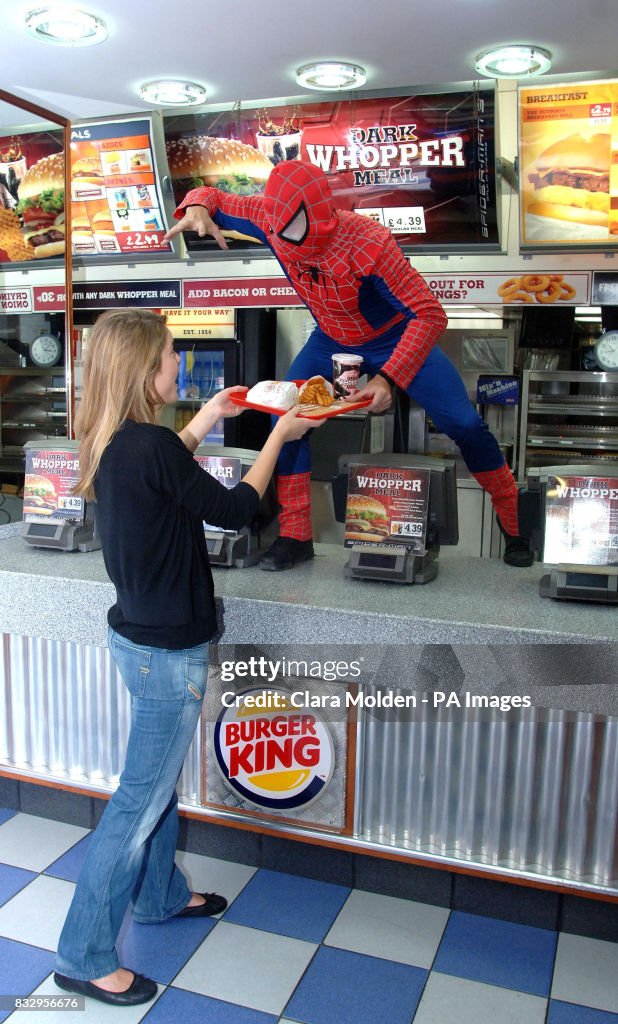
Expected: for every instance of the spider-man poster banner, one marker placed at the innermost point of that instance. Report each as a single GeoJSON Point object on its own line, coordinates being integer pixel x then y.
{"type": "Point", "coordinates": [423, 166]}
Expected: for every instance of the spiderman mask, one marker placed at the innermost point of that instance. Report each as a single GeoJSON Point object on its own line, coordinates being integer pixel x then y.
{"type": "Point", "coordinates": [300, 209]}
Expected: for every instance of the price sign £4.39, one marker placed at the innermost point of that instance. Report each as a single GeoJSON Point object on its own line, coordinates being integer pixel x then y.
{"type": "Point", "coordinates": [70, 503]}
{"type": "Point", "coordinates": [404, 220]}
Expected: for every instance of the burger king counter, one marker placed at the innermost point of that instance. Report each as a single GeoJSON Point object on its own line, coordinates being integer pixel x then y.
{"type": "Point", "coordinates": [484, 737]}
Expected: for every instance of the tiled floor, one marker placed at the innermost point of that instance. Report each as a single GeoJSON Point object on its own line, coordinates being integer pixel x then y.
{"type": "Point", "coordinates": [291, 949]}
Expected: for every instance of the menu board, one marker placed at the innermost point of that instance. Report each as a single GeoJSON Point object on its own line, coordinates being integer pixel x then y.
{"type": "Point", "coordinates": [116, 206]}
{"type": "Point", "coordinates": [581, 520]}
{"type": "Point", "coordinates": [51, 475]}
{"type": "Point", "coordinates": [421, 165]}
{"type": "Point", "coordinates": [387, 505]}
{"type": "Point", "coordinates": [32, 221]}
{"type": "Point", "coordinates": [569, 165]}
{"type": "Point", "coordinates": [225, 469]}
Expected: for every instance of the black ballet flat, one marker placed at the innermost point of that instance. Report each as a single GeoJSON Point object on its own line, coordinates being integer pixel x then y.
{"type": "Point", "coordinates": [213, 905]}
{"type": "Point", "coordinates": [141, 990]}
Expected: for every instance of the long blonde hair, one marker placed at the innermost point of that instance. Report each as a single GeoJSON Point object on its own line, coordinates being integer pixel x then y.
{"type": "Point", "coordinates": [123, 358]}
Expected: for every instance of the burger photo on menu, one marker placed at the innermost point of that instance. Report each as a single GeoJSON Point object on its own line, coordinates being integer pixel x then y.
{"type": "Point", "coordinates": [41, 207]}
{"type": "Point", "coordinates": [39, 496]}
{"type": "Point", "coordinates": [87, 181]}
{"type": "Point", "coordinates": [226, 164]}
{"type": "Point", "coordinates": [365, 519]}
{"type": "Point", "coordinates": [82, 236]}
{"type": "Point", "coordinates": [566, 193]}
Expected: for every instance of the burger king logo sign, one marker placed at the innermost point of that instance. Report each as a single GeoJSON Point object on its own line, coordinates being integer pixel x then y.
{"type": "Point", "coordinates": [277, 756]}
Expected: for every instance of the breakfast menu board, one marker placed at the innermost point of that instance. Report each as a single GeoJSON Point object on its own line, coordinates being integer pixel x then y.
{"type": "Point", "coordinates": [387, 505]}
{"type": "Point", "coordinates": [115, 201]}
{"type": "Point", "coordinates": [581, 520]}
{"type": "Point", "coordinates": [569, 165]}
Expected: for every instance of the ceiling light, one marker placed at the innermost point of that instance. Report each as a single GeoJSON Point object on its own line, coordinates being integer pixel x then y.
{"type": "Point", "coordinates": [330, 75]}
{"type": "Point", "coordinates": [173, 91]}
{"type": "Point", "coordinates": [65, 25]}
{"type": "Point", "coordinates": [513, 62]}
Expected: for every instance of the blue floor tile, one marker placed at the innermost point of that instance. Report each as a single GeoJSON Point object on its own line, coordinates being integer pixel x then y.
{"type": "Point", "coordinates": [12, 880]}
{"type": "Point", "coordinates": [5, 814]}
{"type": "Point", "coordinates": [514, 956]}
{"type": "Point", "coordinates": [22, 968]}
{"type": "Point", "coordinates": [70, 864]}
{"type": "Point", "coordinates": [288, 905]}
{"type": "Point", "coordinates": [177, 1005]}
{"type": "Point", "coordinates": [570, 1013]}
{"type": "Point", "coordinates": [340, 987]}
{"type": "Point", "coordinates": [161, 950]}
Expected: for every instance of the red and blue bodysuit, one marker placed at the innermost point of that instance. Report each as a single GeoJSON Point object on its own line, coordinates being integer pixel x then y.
{"type": "Point", "coordinates": [367, 298]}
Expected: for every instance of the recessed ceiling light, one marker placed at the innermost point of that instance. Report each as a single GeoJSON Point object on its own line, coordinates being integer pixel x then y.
{"type": "Point", "coordinates": [513, 62]}
{"type": "Point", "coordinates": [173, 91]}
{"type": "Point", "coordinates": [65, 25]}
{"type": "Point", "coordinates": [328, 75]}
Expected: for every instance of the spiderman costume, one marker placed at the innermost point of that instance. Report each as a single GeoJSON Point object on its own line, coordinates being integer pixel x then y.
{"type": "Point", "coordinates": [367, 298]}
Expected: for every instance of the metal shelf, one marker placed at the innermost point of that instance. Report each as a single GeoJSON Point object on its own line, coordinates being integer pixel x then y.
{"type": "Point", "coordinates": [567, 397]}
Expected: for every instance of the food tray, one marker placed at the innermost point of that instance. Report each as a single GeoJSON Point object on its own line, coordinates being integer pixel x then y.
{"type": "Point", "coordinates": [309, 412]}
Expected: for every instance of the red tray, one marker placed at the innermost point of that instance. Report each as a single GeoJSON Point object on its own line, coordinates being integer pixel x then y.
{"type": "Point", "coordinates": [310, 412]}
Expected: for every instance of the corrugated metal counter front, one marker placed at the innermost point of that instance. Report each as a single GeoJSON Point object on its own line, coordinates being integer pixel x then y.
{"type": "Point", "coordinates": [530, 796]}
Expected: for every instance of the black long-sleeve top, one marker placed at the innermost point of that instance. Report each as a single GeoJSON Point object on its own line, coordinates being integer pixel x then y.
{"type": "Point", "coordinates": [152, 500]}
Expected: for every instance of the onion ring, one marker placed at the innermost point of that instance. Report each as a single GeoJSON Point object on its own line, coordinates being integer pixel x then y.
{"type": "Point", "coordinates": [567, 291]}
{"type": "Point", "coordinates": [551, 294]}
{"type": "Point", "coordinates": [508, 287]}
{"type": "Point", "coordinates": [519, 296]}
{"type": "Point", "coordinates": [535, 282]}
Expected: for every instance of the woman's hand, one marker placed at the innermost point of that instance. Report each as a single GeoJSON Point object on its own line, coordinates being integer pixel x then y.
{"type": "Point", "coordinates": [291, 427]}
{"type": "Point", "coordinates": [222, 404]}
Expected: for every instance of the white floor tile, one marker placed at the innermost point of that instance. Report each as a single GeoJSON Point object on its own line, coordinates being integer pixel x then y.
{"type": "Point", "coordinates": [586, 972]}
{"type": "Point", "coordinates": [393, 929]}
{"type": "Point", "coordinates": [247, 966]}
{"type": "Point", "coordinates": [208, 874]}
{"type": "Point", "coordinates": [94, 1013]}
{"type": "Point", "coordinates": [36, 914]}
{"type": "Point", "coordinates": [27, 841]}
{"type": "Point", "coordinates": [471, 1002]}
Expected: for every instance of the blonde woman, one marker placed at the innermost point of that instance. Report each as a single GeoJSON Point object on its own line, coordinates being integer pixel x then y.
{"type": "Point", "coordinates": [152, 499]}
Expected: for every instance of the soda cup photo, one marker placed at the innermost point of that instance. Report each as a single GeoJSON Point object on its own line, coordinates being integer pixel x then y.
{"type": "Point", "coordinates": [346, 373]}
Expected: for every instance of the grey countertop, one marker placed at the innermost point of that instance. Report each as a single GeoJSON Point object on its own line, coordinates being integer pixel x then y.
{"type": "Point", "coordinates": [472, 601]}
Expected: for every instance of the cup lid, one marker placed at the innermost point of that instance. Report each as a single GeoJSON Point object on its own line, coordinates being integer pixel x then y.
{"type": "Point", "coordinates": [347, 357]}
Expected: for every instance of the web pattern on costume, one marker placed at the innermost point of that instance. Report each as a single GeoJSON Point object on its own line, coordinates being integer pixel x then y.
{"type": "Point", "coordinates": [357, 287]}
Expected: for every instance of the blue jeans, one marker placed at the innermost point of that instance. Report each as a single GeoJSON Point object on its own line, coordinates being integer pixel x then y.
{"type": "Point", "coordinates": [131, 853]}
{"type": "Point", "coordinates": [437, 387]}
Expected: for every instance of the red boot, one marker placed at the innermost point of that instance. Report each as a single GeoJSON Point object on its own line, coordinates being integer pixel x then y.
{"type": "Point", "coordinates": [294, 543]}
{"type": "Point", "coordinates": [502, 489]}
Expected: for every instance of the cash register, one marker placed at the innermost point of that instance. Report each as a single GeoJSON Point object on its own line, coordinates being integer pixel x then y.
{"type": "Point", "coordinates": [239, 548]}
{"type": "Point", "coordinates": [576, 531]}
{"type": "Point", "coordinates": [397, 510]}
{"type": "Point", "coordinates": [54, 517]}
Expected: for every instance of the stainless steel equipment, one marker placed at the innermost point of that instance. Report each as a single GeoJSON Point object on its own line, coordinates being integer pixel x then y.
{"type": "Point", "coordinates": [568, 416]}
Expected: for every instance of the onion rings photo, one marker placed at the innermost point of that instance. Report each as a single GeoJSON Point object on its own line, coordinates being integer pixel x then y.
{"type": "Point", "coordinates": [543, 288]}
